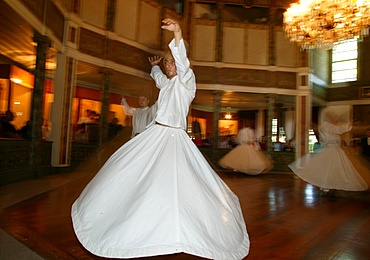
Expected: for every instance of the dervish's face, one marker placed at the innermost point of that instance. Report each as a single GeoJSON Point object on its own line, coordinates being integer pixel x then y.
{"type": "Point", "coordinates": [143, 101]}
{"type": "Point", "coordinates": [170, 67]}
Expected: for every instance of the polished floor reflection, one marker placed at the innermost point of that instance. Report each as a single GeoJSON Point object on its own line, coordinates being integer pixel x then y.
{"type": "Point", "coordinates": [286, 217]}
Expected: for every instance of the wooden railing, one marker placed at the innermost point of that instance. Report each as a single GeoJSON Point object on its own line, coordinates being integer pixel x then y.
{"type": "Point", "coordinates": [15, 161]}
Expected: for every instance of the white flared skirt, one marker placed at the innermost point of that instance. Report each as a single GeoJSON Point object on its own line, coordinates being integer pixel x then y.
{"type": "Point", "coordinates": [329, 168]}
{"type": "Point", "coordinates": [245, 158]}
{"type": "Point", "coordinates": [157, 195]}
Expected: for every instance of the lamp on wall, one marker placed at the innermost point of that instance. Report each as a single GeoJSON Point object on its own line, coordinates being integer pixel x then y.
{"type": "Point", "coordinates": [228, 113]}
{"type": "Point", "coordinates": [320, 24]}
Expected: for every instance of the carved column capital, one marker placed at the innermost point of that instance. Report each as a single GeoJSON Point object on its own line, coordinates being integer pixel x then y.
{"type": "Point", "coordinates": [41, 39]}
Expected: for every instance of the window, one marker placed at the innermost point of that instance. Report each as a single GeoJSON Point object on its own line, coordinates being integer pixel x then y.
{"type": "Point", "coordinates": [344, 61]}
{"type": "Point", "coordinates": [282, 137]}
{"type": "Point", "coordinates": [313, 143]}
{"type": "Point", "coordinates": [274, 129]}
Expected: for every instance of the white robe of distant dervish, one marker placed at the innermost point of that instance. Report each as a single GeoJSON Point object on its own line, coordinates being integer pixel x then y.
{"type": "Point", "coordinates": [246, 157]}
{"type": "Point", "coordinates": [329, 168]}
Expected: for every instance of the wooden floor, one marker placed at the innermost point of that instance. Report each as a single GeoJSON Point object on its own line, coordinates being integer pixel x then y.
{"type": "Point", "coordinates": [286, 219]}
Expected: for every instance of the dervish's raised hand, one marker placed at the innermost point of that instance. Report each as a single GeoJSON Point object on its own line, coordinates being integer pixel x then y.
{"type": "Point", "coordinates": [154, 60]}
{"type": "Point", "coordinates": [171, 25]}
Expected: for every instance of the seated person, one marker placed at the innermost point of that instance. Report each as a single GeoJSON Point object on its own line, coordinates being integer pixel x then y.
{"type": "Point", "coordinates": [8, 129]}
{"type": "Point", "coordinates": [208, 140]}
{"type": "Point", "coordinates": [198, 140]}
{"type": "Point", "coordinates": [25, 131]}
{"type": "Point", "coordinates": [232, 141]}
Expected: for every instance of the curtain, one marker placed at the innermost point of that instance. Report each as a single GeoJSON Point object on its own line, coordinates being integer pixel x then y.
{"type": "Point", "coordinates": [289, 126]}
{"type": "Point", "coordinates": [260, 124]}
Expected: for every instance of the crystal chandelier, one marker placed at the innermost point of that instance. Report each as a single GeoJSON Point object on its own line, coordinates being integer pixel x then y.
{"type": "Point", "coordinates": [320, 24]}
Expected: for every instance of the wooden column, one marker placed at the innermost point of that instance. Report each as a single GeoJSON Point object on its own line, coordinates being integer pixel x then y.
{"type": "Point", "coordinates": [216, 116]}
{"type": "Point", "coordinates": [270, 115]}
{"type": "Point", "coordinates": [303, 114]}
{"type": "Point", "coordinates": [104, 124]}
{"type": "Point", "coordinates": [43, 43]}
{"type": "Point", "coordinates": [188, 16]}
{"type": "Point", "coordinates": [219, 32]}
{"type": "Point", "coordinates": [272, 34]}
{"type": "Point", "coordinates": [111, 13]}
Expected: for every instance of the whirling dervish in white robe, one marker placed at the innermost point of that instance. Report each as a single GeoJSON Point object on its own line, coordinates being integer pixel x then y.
{"type": "Point", "coordinates": [157, 194]}
{"type": "Point", "coordinates": [330, 168]}
{"type": "Point", "coordinates": [246, 157]}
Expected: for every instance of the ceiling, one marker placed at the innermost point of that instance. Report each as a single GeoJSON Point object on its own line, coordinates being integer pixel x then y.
{"type": "Point", "coordinates": [18, 48]}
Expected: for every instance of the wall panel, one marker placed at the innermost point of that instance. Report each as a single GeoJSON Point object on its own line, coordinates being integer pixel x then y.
{"type": "Point", "coordinates": [148, 25]}
{"type": "Point", "coordinates": [126, 18]}
{"type": "Point", "coordinates": [204, 43]}
{"type": "Point", "coordinates": [234, 45]}
{"type": "Point", "coordinates": [94, 12]}
{"type": "Point", "coordinates": [257, 44]}
{"type": "Point", "coordinates": [285, 51]}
